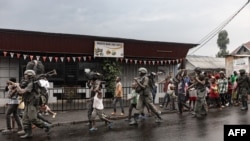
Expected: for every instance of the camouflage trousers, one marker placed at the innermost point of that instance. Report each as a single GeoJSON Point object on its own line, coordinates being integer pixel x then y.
{"type": "Point", "coordinates": [200, 104]}
{"type": "Point", "coordinates": [144, 101]}
{"type": "Point", "coordinates": [30, 117]}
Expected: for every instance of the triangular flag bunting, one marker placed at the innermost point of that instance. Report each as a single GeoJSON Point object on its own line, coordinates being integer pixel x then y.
{"type": "Point", "coordinates": [50, 58]}
{"type": "Point", "coordinates": [126, 60]}
{"type": "Point", "coordinates": [24, 56]}
{"type": "Point", "coordinates": [38, 58]}
{"type": "Point", "coordinates": [12, 54]}
{"type": "Point", "coordinates": [68, 58]}
{"type": "Point", "coordinates": [31, 57]}
{"type": "Point", "coordinates": [44, 58]}
{"type": "Point", "coordinates": [135, 61]}
{"type": "Point", "coordinates": [5, 53]}
{"type": "Point", "coordinates": [61, 58]}
{"type": "Point", "coordinates": [74, 59]}
{"type": "Point", "coordinates": [18, 55]}
{"type": "Point", "coordinates": [56, 59]}
{"type": "Point", "coordinates": [79, 58]}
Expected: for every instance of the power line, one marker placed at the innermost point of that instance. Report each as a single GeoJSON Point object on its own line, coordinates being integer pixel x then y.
{"type": "Point", "coordinates": [209, 36]}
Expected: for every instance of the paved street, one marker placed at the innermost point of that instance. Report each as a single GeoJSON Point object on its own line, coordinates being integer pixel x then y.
{"type": "Point", "coordinates": [173, 128]}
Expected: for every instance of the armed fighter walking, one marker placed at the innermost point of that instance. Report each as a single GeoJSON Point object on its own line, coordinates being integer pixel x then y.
{"type": "Point", "coordinates": [243, 84]}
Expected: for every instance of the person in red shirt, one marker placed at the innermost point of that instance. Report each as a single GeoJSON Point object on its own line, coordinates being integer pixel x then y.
{"type": "Point", "coordinates": [214, 94]}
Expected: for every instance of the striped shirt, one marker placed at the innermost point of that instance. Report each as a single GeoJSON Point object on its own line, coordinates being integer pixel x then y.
{"type": "Point", "coordinates": [222, 85]}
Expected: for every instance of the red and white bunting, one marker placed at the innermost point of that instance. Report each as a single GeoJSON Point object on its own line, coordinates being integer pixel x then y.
{"type": "Point", "coordinates": [140, 61]}
{"type": "Point", "coordinates": [126, 60]}
{"type": "Point", "coordinates": [145, 62]}
{"type": "Point", "coordinates": [177, 61]}
{"type": "Point", "coordinates": [89, 58]}
{"type": "Point", "coordinates": [5, 53]}
{"type": "Point", "coordinates": [44, 58]}
{"type": "Point", "coordinates": [38, 58]}
{"type": "Point", "coordinates": [24, 56]}
{"type": "Point", "coordinates": [74, 59]}
{"type": "Point", "coordinates": [68, 58]}
{"type": "Point", "coordinates": [131, 61]}
{"type": "Point", "coordinates": [61, 58]}
{"type": "Point", "coordinates": [135, 61]}
{"type": "Point", "coordinates": [84, 58]}
{"type": "Point", "coordinates": [56, 59]}
{"type": "Point", "coordinates": [18, 55]}
{"type": "Point", "coordinates": [11, 54]}
{"type": "Point", "coordinates": [31, 57]}
{"type": "Point", "coordinates": [161, 62]}
{"type": "Point", "coordinates": [79, 58]}
{"type": "Point", "coordinates": [153, 62]}
{"type": "Point", "coordinates": [50, 58]}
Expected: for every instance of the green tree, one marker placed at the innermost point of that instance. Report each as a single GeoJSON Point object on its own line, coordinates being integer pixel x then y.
{"type": "Point", "coordinates": [111, 70]}
{"type": "Point", "coordinates": [222, 43]}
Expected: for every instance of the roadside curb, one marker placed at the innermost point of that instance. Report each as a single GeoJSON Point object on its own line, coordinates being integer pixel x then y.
{"type": "Point", "coordinates": [115, 117]}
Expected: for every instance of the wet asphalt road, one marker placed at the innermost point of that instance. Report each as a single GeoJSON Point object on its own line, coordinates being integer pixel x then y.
{"type": "Point", "coordinates": [173, 128]}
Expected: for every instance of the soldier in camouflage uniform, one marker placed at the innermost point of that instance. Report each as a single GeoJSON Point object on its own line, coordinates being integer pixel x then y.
{"type": "Point", "coordinates": [243, 84]}
{"type": "Point", "coordinates": [145, 93]}
{"type": "Point", "coordinates": [31, 101]}
{"type": "Point", "coordinates": [200, 107]}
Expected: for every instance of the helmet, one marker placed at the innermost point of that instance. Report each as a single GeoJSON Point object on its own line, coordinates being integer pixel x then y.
{"type": "Point", "coordinates": [221, 72]}
{"type": "Point", "coordinates": [30, 73]}
{"type": "Point", "coordinates": [242, 71]}
{"type": "Point", "coordinates": [143, 70]}
{"type": "Point", "coordinates": [197, 69]}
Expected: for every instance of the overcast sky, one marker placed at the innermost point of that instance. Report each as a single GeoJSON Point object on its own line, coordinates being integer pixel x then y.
{"type": "Point", "coordinates": [184, 21]}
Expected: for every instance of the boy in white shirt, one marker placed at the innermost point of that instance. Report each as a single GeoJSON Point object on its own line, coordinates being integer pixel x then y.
{"type": "Point", "coordinates": [98, 111]}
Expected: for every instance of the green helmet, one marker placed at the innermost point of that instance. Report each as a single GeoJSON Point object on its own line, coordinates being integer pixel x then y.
{"type": "Point", "coordinates": [143, 70]}
{"type": "Point", "coordinates": [30, 73]}
{"type": "Point", "coordinates": [242, 71]}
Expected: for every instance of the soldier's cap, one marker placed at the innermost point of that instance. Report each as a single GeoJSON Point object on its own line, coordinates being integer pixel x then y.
{"type": "Point", "coordinates": [30, 72]}
{"type": "Point", "coordinates": [242, 70]}
{"type": "Point", "coordinates": [221, 72]}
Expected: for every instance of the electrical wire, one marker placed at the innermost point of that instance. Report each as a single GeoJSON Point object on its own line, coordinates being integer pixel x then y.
{"type": "Point", "coordinates": [214, 32]}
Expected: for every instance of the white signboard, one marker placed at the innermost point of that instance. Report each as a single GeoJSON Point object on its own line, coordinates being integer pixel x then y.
{"type": "Point", "coordinates": [241, 63]}
{"type": "Point", "coordinates": [108, 49]}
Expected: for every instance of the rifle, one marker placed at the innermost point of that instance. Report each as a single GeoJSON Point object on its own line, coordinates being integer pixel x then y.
{"type": "Point", "coordinates": [48, 74]}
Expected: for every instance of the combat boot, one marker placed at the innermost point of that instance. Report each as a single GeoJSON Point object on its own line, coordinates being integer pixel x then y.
{"type": "Point", "coordinates": [28, 134]}
{"type": "Point", "coordinates": [47, 127]}
{"type": "Point", "coordinates": [244, 106]}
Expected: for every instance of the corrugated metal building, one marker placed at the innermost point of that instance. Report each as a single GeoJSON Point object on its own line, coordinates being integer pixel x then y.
{"type": "Point", "coordinates": [206, 63]}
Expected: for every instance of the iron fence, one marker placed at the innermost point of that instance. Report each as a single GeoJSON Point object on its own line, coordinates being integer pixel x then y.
{"type": "Point", "coordinates": [73, 98]}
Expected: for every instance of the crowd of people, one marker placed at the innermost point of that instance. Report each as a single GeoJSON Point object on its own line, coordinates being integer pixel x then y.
{"type": "Point", "coordinates": [195, 93]}
{"type": "Point", "coordinates": [201, 91]}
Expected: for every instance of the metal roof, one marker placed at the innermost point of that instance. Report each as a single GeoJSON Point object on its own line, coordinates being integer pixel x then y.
{"type": "Point", "coordinates": [206, 62]}
{"type": "Point", "coordinates": [61, 44]}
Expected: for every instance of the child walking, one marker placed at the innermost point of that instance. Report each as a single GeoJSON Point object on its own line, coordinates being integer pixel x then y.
{"type": "Point", "coordinates": [98, 111]}
{"type": "Point", "coordinates": [133, 101]}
